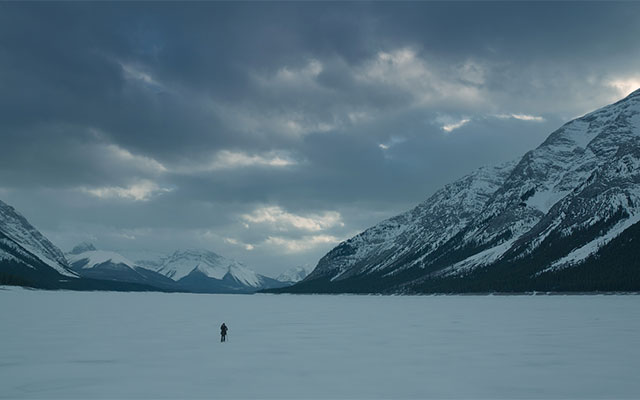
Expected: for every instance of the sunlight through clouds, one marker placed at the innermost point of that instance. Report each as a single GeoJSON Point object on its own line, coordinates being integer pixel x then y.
{"type": "Point", "coordinates": [229, 159]}
{"type": "Point", "coordinates": [455, 125]}
{"type": "Point", "coordinates": [226, 159]}
{"type": "Point", "coordinates": [282, 229]}
{"type": "Point", "coordinates": [141, 162]}
{"type": "Point", "coordinates": [284, 122]}
{"type": "Point", "coordinates": [281, 220]}
{"type": "Point", "coordinates": [625, 86]}
{"type": "Point", "coordinates": [141, 191]}
{"type": "Point", "coordinates": [521, 117]}
{"type": "Point", "coordinates": [302, 244]}
{"type": "Point", "coordinates": [236, 242]}
{"type": "Point", "coordinates": [405, 71]}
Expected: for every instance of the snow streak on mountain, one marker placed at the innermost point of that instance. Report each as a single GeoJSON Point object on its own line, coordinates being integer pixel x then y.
{"type": "Point", "coordinates": [561, 218]}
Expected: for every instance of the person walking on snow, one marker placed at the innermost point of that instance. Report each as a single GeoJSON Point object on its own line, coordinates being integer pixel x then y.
{"type": "Point", "coordinates": [223, 333]}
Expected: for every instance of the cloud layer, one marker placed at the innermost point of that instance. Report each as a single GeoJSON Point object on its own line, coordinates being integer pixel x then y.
{"type": "Point", "coordinates": [269, 132]}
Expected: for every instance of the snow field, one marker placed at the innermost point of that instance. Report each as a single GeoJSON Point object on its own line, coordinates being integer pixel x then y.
{"type": "Point", "coordinates": [154, 345]}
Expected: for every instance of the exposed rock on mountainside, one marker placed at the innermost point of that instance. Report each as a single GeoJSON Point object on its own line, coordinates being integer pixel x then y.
{"type": "Point", "coordinates": [540, 224]}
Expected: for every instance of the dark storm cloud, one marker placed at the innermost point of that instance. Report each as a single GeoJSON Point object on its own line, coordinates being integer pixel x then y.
{"type": "Point", "coordinates": [262, 128]}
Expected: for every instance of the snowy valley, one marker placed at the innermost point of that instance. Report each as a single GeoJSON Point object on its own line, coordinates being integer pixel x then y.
{"type": "Point", "coordinates": [166, 345]}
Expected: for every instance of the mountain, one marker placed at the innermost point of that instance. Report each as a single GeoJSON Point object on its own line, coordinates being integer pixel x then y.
{"type": "Point", "coordinates": [88, 262]}
{"type": "Point", "coordinates": [294, 274]}
{"type": "Point", "coordinates": [204, 271]}
{"type": "Point", "coordinates": [550, 222]}
{"type": "Point", "coordinates": [27, 257]}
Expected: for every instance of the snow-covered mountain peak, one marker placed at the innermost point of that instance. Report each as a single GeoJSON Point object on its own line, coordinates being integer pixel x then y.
{"type": "Point", "coordinates": [182, 262]}
{"type": "Point", "coordinates": [93, 258]}
{"type": "Point", "coordinates": [206, 271]}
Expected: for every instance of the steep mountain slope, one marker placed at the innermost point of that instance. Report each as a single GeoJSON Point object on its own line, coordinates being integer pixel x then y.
{"type": "Point", "coordinates": [404, 241]}
{"type": "Point", "coordinates": [205, 271]}
{"type": "Point", "coordinates": [509, 228]}
{"type": "Point", "coordinates": [88, 262]}
{"type": "Point", "coordinates": [26, 256]}
{"type": "Point", "coordinates": [570, 181]}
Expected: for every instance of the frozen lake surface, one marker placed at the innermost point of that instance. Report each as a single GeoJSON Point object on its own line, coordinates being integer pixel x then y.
{"type": "Point", "coordinates": [154, 345]}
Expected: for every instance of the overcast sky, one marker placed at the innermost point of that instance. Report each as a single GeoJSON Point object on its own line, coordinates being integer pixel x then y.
{"type": "Point", "coordinates": [269, 132]}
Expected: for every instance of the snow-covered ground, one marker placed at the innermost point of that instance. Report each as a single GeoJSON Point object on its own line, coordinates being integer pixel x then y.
{"type": "Point", "coordinates": [154, 345]}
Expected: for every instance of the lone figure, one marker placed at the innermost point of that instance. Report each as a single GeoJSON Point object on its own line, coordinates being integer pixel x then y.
{"type": "Point", "coordinates": [223, 332]}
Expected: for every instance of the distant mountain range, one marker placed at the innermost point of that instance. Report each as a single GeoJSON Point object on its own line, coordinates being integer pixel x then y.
{"type": "Point", "coordinates": [197, 270]}
{"type": "Point", "coordinates": [88, 262]}
{"type": "Point", "coordinates": [294, 274]}
{"type": "Point", "coordinates": [565, 217]}
{"type": "Point", "coordinates": [28, 258]}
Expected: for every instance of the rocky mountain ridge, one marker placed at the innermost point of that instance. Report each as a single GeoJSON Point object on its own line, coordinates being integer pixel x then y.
{"type": "Point", "coordinates": [508, 228]}
{"type": "Point", "coordinates": [205, 271]}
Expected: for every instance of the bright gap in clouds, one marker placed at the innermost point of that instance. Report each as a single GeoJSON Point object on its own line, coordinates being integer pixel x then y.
{"type": "Point", "coordinates": [524, 117]}
{"type": "Point", "coordinates": [289, 232]}
{"type": "Point", "coordinates": [521, 117]}
{"type": "Point", "coordinates": [450, 127]}
{"type": "Point", "coordinates": [625, 86]}
{"type": "Point", "coordinates": [141, 162]}
{"type": "Point", "coordinates": [141, 191]}
{"type": "Point", "coordinates": [229, 159]}
{"type": "Point", "coordinates": [226, 159]}
{"type": "Point", "coordinates": [236, 242]}
{"type": "Point", "coordinates": [282, 220]}
{"type": "Point", "coordinates": [302, 244]}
